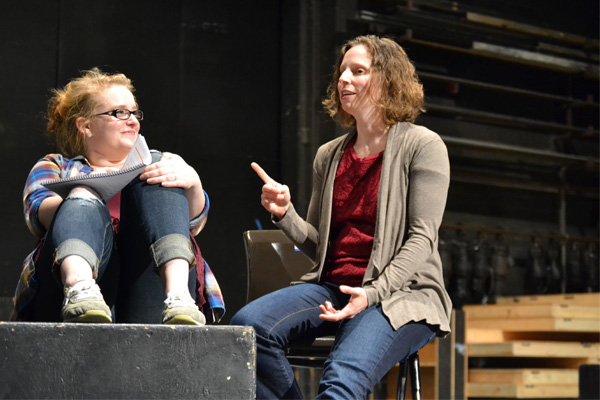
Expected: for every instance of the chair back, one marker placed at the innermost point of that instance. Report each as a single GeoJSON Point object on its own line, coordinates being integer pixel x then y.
{"type": "Point", "coordinates": [273, 262]}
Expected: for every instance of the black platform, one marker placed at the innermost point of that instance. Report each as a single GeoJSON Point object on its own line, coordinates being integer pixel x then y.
{"type": "Point", "coordinates": [85, 361]}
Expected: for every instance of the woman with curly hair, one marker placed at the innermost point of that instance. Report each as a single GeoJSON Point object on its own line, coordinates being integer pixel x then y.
{"type": "Point", "coordinates": [377, 202]}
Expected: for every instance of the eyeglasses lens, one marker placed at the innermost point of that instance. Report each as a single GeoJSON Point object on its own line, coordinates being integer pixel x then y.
{"type": "Point", "coordinates": [138, 114]}
{"type": "Point", "coordinates": [126, 114]}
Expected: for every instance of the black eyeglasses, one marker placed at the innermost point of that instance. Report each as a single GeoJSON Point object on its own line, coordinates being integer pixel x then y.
{"type": "Point", "coordinates": [123, 113]}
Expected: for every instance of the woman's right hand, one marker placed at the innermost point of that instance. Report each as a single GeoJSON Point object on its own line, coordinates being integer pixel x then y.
{"type": "Point", "coordinates": [275, 197]}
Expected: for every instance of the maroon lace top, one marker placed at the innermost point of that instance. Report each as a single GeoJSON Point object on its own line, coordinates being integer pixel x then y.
{"type": "Point", "coordinates": [354, 212]}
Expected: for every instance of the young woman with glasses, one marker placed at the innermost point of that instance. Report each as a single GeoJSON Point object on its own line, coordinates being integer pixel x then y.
{"type": "Point", "coordinates": [135, 254]}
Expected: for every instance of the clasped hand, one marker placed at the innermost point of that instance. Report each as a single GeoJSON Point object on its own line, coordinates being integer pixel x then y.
{"type": "Point", "coordinates": [171, 171]}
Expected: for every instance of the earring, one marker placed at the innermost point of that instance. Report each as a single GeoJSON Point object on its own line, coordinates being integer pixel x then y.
{"type": "Point", "coordinates": [89, 134]}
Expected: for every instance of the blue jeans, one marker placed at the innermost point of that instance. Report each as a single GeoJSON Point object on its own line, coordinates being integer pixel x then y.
{"type": "Point", "coordinates": [153, 229]}
{"type": "Point", "coordinates": [365, 349]}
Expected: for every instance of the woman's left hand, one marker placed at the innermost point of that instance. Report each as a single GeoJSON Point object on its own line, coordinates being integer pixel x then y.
{"type": "Point", "coordinates": [358, 302]}
{"type": "Point", "coordinates": [171, 171]}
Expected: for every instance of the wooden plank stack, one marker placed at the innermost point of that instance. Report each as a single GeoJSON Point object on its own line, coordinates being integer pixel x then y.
{"type": "Point", "coordinates": [535, 345]}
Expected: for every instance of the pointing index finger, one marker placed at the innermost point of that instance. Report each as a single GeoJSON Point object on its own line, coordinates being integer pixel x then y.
{"type": "Point", "coordinates": [262, 174]}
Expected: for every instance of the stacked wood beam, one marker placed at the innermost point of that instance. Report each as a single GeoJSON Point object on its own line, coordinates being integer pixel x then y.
{"type": "Point", "coordinates": [531, 346]}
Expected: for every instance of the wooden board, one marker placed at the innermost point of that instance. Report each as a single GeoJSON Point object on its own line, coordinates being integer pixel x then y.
{"type": "Point", "coordinates": [535, 349]}
{"type": "Point", "coordinates": [516, 391]}
{"type": "Point", "coordinates": [525, 376]}
{"type": "Point", "coordinates": [582, 299]}
{"type": "Point", "coordinates": [496, 335]}
{"type": "Point", "coordinates": [547, 324]}
{"type": "Point", "coordinates": [532, 311]}
{"type": "Point", "coordinates": [428, 354]}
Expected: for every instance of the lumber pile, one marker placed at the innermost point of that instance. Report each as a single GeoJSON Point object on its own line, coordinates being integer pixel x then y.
{"type": "Point", "coordinates": [531, 346]}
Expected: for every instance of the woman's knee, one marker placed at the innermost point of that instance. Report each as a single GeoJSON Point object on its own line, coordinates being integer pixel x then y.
{"type": "Point", "coordinates": [82, 227]}
{"type": "Point", "coordinates": [263, 316]}
{"type": "Point", "coordinates": [240, 319]}
{"type": "Point", "coordinates": [79, 210]}
{"type": "Point", "coordinates": [246, 316]}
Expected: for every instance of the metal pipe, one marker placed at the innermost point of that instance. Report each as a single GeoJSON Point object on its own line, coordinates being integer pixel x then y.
{"type": "Point", "coordinates": [505, 232]}
{"type": "Point", "coordinates": [530, 153]}
{"type": "Point", "coordinates": [520, 185]}
{"type": "Point", "coordinates": [509, 89]}
{"type": "Point", "coordinates": [519, 122]}
{"type": "Point", "coordinates": [562, 228]}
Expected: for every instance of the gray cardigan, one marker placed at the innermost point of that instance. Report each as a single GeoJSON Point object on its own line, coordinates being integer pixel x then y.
{"type": "Point", "coordinates": [404, 273]}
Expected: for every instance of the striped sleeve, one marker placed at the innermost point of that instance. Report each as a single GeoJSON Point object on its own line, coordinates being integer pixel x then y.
{"type": "Point", "coordinates": [34, 193]}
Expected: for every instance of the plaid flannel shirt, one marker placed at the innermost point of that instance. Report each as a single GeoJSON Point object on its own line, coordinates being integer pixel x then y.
{"type": "Point", "coordinates": [55, 166]}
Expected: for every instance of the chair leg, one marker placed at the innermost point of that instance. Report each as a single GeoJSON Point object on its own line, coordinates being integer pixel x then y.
{"type": "Point", "coordinates": [406, 367]}
{"type": "Point", "coordinates": [402, 380]}
{"type": "Point", "coordinates": [415, 376]}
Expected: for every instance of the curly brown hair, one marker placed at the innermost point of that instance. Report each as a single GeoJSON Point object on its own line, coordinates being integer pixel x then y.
{"type": "Point", "coordinates": [402, 94]}
{"type": "Point", "coordinates": [78, 99]}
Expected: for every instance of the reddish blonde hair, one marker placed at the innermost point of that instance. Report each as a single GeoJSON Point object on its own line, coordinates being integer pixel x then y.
{"type": "Point", "coordinates": [78, 99]}
{"type": "Point", "coordinates": [402, 96]}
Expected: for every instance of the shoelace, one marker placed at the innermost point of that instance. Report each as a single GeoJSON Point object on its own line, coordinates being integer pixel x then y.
{"type": "Point", "coordinates": [83, 290]}
{"type": "Point", "coordinates": [178, 300]}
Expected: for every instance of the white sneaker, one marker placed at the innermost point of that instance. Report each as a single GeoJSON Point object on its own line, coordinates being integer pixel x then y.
{"type": "Point", "coordinates": [84, 303]}
{"type": "Point", "coordinates": [181, 309]}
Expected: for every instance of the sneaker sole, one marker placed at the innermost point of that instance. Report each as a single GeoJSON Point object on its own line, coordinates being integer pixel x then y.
{"type": "Point", "coordinates": [182, 320]}
{"type": "Point", "coordinates": [92, 316]}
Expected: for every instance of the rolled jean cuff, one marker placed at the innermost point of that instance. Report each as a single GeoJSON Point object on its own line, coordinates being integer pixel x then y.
{"type": "Point", "coordinates": [170, 247]}
{"type": "Point", "coordinates": [75, 247]}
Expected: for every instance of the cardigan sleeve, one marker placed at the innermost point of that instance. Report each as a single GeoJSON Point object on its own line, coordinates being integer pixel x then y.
{"type": "Point", "coordinates": [305, 234]}
{"type": "Point", "coordinates": [429, 177]}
